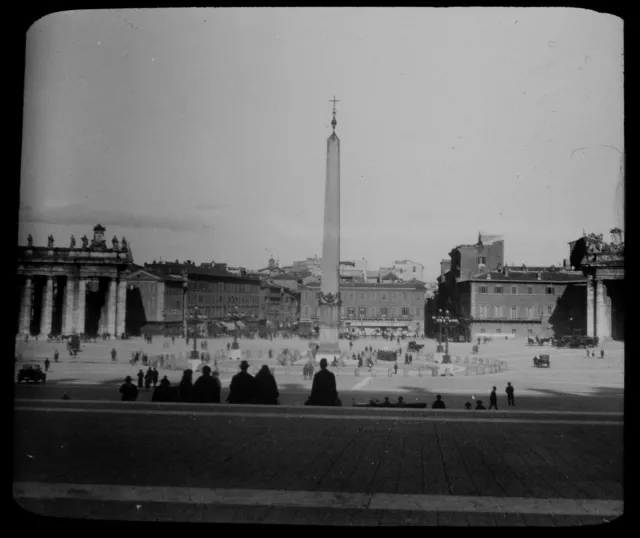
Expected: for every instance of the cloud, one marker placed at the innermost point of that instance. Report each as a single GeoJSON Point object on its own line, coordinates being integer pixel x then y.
{"type": "Point", "coordinates": [79, 214]}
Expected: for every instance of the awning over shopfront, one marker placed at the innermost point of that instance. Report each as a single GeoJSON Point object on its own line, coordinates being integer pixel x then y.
{"type": "Point", "coordinates": [241, 325]}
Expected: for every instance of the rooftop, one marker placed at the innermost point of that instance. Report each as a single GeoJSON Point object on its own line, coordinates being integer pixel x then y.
{"type": "Point", "coordinates": [546, 275]}
{"type": "Point", "coordinates": [374, 285]}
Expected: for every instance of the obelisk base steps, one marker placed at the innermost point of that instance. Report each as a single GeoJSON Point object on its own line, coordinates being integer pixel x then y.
{"type": "Point", "coordinates": [329, 317]}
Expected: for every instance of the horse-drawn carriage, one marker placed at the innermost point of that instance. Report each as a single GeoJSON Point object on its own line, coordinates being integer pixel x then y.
{"type": "Point", "coordinates": [542, 362]}
{"type": "Point", "coordinates": [414, 346]}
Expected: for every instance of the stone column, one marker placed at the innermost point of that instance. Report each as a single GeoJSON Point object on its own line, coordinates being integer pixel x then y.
{"type": "Point", "coordinates": [603, 322]}
{"type": "Point", "coordinates": [67, 322]}
{"type": "Point", "coordinates": [63, 317]}
{"type": "Point", "coordinates": [591, 307]}
{"type": "Point", "coordinates": [81, 305]}
{"type": "Point", "coordinates": [111, 314]}
{"type": "Point", "coordinates": [47, 309]}
{"type": "Point", "coordinates": [121, 308]}
{"type": "Point", "coordinates": [26, 307]}
{"type": "Point", "coordinates": [329, 314]}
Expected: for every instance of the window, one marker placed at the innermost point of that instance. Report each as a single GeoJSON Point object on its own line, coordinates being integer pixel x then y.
{"type": "Point", "coordinates": [513, 331]}
{"type": "Point", "coordinates": [483, 330]}
{"type": "Point", "coordinates": [484, 289]}
{"type": "Point", "coordinates": [483, 310]}
{"type": "Point", "coordinates": [405, 311]}
{"type": "Point", "coordinates": [384, 296]}
{"type": "Point", "coordinates": [351, 311]}
{"type": "Point", "coordinates": [514, 312]}
{"type": "Point", "coordinates": [497, 289]}
{"type": "Point", "coordinates": [384, 311]}
{"type": "Point", "coordinates": [498, 331]}
{"type": "Point", "coordinates": [362, 296]}
{"type": "Point", "coordinates": [550, 309]}
{"type": "Point", "coordinates": [530, 312]}
{"type": "Point", "coordinates": [351, 296]}
{"type": "Point", "coordinates": [529, 290]}
{"type": "Point", "coordinates": [418, 311]}
{"type": "Point", "coordinates": [373, 295]}
{"type": "Point", "coordinates": [393, 296]}
{"type": "Point", "coordinates": [405, 296]}
{"type": "Point", "coordinates": [482, 260]}
{"type": "Point", "coordinates": [362, 311]}
{"type": "Point", "coordinates": [498, 311]}
{"type": "Point", "coordinates": [374, 311]}
{"type": "Point", "coordinates": [551, 290]}
{"type": "Point", "coordinates": [514, 290]}
{"type": "Point", "coordinates": [414, 268]}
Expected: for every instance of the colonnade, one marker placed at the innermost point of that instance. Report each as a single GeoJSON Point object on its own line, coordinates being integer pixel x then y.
{"type": "Point", "coordinates": [74, 307]}
{"type": "Point", "coordinates": [598, 309]}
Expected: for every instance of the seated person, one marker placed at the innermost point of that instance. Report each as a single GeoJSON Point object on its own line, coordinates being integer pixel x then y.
{"type": "Point", "coordinates": [438, 404]}
{"type": "Point", "coordinates": [479, 405]}
{"type": "Point", "coordinates": [386, 402]}
{"type": "Point", "coordinates": [467, 405]}
{"type": "Point", "coordinates": [400, 402]}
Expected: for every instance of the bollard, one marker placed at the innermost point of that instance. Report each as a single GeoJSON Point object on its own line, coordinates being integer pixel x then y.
{"type": "Point", "coordinates": [356, 372]}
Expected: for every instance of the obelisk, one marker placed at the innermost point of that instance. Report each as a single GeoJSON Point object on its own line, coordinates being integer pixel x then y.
{"type": "Point", "coordinates": [329, 297]}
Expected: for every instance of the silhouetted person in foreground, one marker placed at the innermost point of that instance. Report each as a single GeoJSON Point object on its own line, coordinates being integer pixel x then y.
{"type": "Point", "coordinates": [164, 392]}
{"type": "Point", "coordinates": [509, 391]}
{"type": "Point", "coordinates": [438, 404]}
{"type": "Point", "coordinates": [207, 388]}
{"type": "Point", "coordinates": [323, 390]}
{"type": "Point", "coordinates": [479, 405]}
{"type": "Point", "coordinates": [186, 392]}
{"type": "Point", "coordinates": [266, 388]}
{"type": "Point", "coordinates": [129, 391]}
{"type": "Point", "coordinates": [242, 388]}
{"type": "Point", "coordinates": [140, 378]}
{"type": "Point", "coordinates": [493, 399]}
{"type": "Point", "coordinates": [467, 406]}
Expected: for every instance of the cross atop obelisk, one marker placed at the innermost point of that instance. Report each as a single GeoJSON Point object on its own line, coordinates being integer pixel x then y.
{"type": "Point", "coordinates": [333, 121]}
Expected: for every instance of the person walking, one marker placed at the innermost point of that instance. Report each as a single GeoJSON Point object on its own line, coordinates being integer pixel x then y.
{"type": "Point", "coordinates": [266, 388]}
{"type": "Point", "coordinates": [323, 390]}
{"type": "Point", "coordinates": [47, 362]}
{"type": "Point", "coordinates": [509, 391]}
{"type": "Point", "coordinates": [493, 399]}
{"type": "Point", "coordinates": [114, 354]}
{"type": "Point", "coordinates": [129, 391]}
{"type": "Point", "coordinates": [242, 388]}
{"type": "Point", "coordinates": [56, 356]}
{"type": "Point", "coordinates": [140, 378]}
{"type": "Point", "coordinates": [395, 367]}
{"type": "Point", "coordinates": [164, 393]}
{"type": "Point", "coordinates": [601, 353]}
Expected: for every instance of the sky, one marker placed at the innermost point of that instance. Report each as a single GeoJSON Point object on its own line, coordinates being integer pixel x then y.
{"type": "Point", "coordinates": [201, 133]}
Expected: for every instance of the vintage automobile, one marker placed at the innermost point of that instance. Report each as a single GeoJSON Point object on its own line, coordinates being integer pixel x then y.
{"type": "Point", "coordinates": [31, 373]}
{"type": "Point", "coordinates": [414, 346]}
{"type": "Point", "coordinates": [542, 362]}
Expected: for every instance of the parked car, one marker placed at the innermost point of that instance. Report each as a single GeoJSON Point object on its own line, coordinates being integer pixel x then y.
{"type": "Point", "coordinates": [31, 373]}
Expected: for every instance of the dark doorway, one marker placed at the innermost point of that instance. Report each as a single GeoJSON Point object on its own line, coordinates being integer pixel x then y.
{"type": "Point", "coordinates": [37, 295]}
{"type": "Point", "coordinates": [58, 301]}
{"type": "Point", "coordinates": [96, 297]}
{"type": "Point", "coordinates": [135, 317]}
{"type": "Point", "coordinates": [615, 289]}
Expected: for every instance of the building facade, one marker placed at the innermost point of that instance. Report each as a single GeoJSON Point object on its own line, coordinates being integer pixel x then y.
{"type": "Point", "coordinates": [603, 265]}
{"type": "Point", "coordinates": [366, 306]}
{"type": "Point", "coordinates": [77, 289]}
{"type": "Point", "coordinates": [520, 303]}
{"type": "Point", "coordinates": [408, 270]}
{"type": "Point", "coordinates": [279, 305]}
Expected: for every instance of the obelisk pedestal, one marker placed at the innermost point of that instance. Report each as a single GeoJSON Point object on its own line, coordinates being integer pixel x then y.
{"type": "Point", "coordinates": [329, 297]}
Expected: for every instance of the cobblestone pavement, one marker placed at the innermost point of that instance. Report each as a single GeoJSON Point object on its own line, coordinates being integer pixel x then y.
{"type": "Point", "coordinates": [321, 452]}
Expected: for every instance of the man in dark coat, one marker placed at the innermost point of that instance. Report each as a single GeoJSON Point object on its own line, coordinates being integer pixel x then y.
{"type": "Point", "coordinates": [47, 362]}
{"type": "Point", "coordinates": [509, 391]}
{"type": "Point", "coordinates": [148, 378]}
{"type": "Point", "coordinates": [154, 376]}
{"type": "Point", "coordinates": [323, 390]}
{"type": "Point", "coordinates": [242, 389]}
{"type": "Point", "coordinates": [56, 356]}
{"type": "Point", "coordinates": [438, 404]}
{"type": "Point", "coordinates": [129, 391]}
{"type": "Point", "coordinates": [493, 399]}
{"type": "Point", "coordinates": [206, 389]}
{"type": "Point", "coordinates": [266, 388]}
{"type": "Point", "coordinates": [140, 378]}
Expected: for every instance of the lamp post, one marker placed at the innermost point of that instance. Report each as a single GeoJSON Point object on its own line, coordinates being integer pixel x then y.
{"type": "Point", "coordinates": [443, 319]}
{"type": "Point", "coordinates": [194, 316]}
